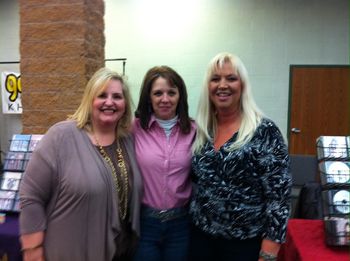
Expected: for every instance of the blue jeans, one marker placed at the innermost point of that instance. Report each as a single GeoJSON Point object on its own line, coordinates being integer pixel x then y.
{"type": "Point", "coordinates": [163, 240]}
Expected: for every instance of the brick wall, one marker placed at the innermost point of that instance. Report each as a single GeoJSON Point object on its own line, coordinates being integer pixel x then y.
{"type": "Point", "coordinates": [61, 46]}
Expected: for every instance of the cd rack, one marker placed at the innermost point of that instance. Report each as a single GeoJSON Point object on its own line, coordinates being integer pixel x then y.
{"type": "Point", "coordinates": [15, 162]}
{"type": "Point", "coordinates": [333, 153]}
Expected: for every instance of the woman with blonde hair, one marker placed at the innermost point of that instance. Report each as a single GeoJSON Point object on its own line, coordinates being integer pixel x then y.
{"type": "Point", "coordinates": [80, 195]}
{"type": "Point", "coordinates": [241, 198]}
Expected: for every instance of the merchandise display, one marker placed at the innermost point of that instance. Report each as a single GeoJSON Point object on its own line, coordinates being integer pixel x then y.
{"type": "Point", "coordinates": [15, 162]}
{"type": "Point", "coordinates": [334, 165]}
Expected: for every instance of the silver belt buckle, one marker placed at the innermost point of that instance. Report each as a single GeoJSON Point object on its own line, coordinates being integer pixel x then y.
{"type": "Point", "coordinates": [164, 214]}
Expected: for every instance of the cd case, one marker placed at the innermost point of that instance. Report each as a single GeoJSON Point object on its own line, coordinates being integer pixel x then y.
{"type": "Point", "coordinates": [11, 180]}
{"type": "Point", "coordinates": [15, 161]}
{"type": "Point", "coordinates": [336, 202]}
{"type": "Point", "coordinates": [7, 199]}
{"type": "Point", "coordinates": [34, 140]}
{"type": "Point", "coordinates": [337, 231]}
{"type": "Point", "coordinates": [332, 147]}
{"type": "Point", "coordinates": [335, 172]}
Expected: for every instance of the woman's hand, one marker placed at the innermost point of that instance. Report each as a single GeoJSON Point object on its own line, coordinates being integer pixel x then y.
{"type": "Point", "coordinates": [269, 247]}
{"type": "Point", "coordinates": [34, 254]}
{"type": "Point", "coordinates": [32, 246]}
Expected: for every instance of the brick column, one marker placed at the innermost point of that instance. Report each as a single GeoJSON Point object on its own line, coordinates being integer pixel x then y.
{"type": "Point", "coordinates": [61, 46]}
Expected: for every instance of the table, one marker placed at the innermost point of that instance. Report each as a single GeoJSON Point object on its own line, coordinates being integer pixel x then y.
{"type": "Point", "coordinates": [306, 242]}
{"type": "Point", "coordinates": [9, 239]}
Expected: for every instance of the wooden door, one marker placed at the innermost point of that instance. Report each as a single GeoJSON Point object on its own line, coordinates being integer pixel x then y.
{"type": "Point", "coordinates": [318, 105]}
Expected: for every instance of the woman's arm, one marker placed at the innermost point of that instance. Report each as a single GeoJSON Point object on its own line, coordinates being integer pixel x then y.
{"type": "Point", "coordinates": [276, 182]}
{"type": "Point", "coordinates": [32, 246]}
{"type": "Point", "coordinates": [36, 191]}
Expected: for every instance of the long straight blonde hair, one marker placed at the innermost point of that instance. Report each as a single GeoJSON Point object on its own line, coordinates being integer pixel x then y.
{"type": "Point", "coordinates": [96, 85]}
{"type": "Point", "coordinates": [206, 118]}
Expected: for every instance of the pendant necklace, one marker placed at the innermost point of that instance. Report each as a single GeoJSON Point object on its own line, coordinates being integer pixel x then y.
{"type": "Point", "coordinates": [121, 181]}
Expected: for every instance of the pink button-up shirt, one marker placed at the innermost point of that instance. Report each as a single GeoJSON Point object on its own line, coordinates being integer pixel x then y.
{"type": "Point", "coordinates": [165, 164]}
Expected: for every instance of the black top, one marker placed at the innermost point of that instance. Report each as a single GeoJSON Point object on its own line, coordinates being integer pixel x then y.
{"type": "Point", "coordinates": [246, 192]}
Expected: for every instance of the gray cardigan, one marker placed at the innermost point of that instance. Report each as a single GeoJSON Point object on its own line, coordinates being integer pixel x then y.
{"type": "Point", "coordinates": [68, 192]}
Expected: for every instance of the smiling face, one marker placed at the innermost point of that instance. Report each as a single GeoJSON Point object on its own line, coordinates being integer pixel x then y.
{"type": "Point", "coordinates": [225, 89]}
{"type": "Point", "coordinates": [164, 99]}
{"type": "Point", "coordinates": [109, 106]}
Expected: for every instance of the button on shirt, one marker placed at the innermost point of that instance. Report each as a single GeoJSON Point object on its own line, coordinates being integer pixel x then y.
{"type": "Point", "coordinates": [165, 164]}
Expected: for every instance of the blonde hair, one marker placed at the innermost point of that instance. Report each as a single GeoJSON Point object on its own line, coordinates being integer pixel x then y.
{"type": "Point", "coordinates": [96, 85]}
{"type": "Point", "coordinates": [206, 119]}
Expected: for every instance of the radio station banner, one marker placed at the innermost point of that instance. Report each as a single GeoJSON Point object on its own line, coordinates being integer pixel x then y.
{"type": "Point", "coordinates": [11, 90]}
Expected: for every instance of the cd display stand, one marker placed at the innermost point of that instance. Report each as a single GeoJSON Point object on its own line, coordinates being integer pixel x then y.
{"type": "Point", "coordinates": [16, 159]}
{"type": "Point", "coordinates": [333, 153]}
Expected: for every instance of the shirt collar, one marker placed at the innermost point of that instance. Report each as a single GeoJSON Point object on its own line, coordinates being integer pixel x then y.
{"type": "Point", "coordinates": [153, 120]}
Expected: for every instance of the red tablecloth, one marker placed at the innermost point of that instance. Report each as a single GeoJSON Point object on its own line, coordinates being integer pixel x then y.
{"type": "Point", "coordinates": [306, 242]}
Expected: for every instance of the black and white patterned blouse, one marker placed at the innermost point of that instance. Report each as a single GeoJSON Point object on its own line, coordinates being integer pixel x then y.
{"type": "Point", "coordinates": [246, 192]}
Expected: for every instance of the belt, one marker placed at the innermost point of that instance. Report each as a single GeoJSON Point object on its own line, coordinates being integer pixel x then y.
{"type": "Point", "coordinates": [164, 215]}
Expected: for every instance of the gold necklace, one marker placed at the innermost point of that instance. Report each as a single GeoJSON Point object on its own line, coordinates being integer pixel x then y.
{"type": "Point", "coordinates": [122, 182]}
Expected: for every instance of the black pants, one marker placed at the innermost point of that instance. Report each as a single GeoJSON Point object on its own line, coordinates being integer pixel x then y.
{"type": "Point", "coordinates": [204, 247]}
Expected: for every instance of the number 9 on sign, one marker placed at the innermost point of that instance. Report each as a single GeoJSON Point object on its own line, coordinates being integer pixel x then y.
{"type": "Point", "coordinates": [13, 86]}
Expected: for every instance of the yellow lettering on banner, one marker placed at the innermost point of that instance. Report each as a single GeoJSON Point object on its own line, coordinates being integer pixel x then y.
{"type": "Point", "coordinates": [13, 86]}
